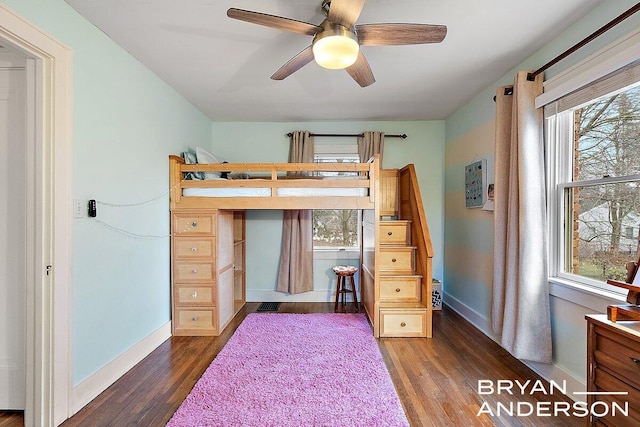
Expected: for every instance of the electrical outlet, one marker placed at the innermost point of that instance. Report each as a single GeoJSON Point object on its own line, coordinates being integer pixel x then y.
{"type": "Point", "coordinates": [79, 208]}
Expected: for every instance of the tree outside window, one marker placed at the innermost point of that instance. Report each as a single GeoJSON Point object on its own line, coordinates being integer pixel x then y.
{"type": "Point", "coordinates": [606, 145]}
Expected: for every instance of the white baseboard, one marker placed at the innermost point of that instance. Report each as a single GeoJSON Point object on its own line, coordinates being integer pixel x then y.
{"type": "Point", "coordinates": [91, 387]}
{"type": "Point", "coordinates": [548, 372]}
{"type": "Point", "coordinates": [258, 295]}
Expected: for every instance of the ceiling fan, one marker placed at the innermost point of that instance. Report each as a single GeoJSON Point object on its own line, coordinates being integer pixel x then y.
{"type": "Point", "coordinates": [337, 40]}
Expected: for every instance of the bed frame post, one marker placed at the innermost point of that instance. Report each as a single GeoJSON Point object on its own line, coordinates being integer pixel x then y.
{"type": "Point", "coordinates": [374, 176]}
{"type": "Point", "coordinates": [175, 178]}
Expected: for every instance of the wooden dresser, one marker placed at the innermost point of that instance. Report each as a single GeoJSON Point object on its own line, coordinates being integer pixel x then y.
{"type": "Point", "coordinates": [613, 365]}
{"type": "Point", "coordinates": [206, 288]}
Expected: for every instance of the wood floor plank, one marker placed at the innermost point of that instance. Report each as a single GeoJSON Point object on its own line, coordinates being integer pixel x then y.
{"type": "Point", "coordinates": [436, 379]}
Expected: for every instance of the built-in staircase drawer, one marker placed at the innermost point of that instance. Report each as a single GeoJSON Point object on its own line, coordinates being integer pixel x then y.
{"type": "Point", "coordinates": [395, 233]}
{"type": "Point", "coordinates": [400, 288]}
{"type": "Point", "coordinates": [403, 322]}
{"type": "Point", "coordinates": [397, 259]}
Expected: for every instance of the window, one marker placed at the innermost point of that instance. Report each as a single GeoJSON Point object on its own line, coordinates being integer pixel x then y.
{"type": "Point", "coordinates": [594, 181]}
{"type": "Point", "coordinates": [335, 229]}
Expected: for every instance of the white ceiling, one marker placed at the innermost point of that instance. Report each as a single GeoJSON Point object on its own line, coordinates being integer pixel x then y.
{"type": "Point", "coordinates": [222, 65]}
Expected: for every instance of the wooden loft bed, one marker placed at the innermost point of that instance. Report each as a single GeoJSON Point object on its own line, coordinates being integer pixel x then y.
{"type": "Point", "coordinates": [208, 238]}
{"type": "Point", "coordinates": [272, 186]}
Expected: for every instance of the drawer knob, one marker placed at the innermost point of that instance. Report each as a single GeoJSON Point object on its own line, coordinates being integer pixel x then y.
{"type": "Point", "coordinates": [194, 295]}
{"type": "Point", "coordinates": [194, 249]}
{"type": "Point", "coordinates": [194, 318]}
{"type": "Point", "coordinates": [390, 233]}
{"type": "Point", "coordinates": [635, 360]}
{"type": "Point", "coordinates": [397, 289]}
{"type": "Point", "coordinates": [403, 324]}
{"type": "Point", "coordinates": [194, 224]}
{"type": "Point", "coordinates": [393, 260]}
{"type": "Point", "coordinates": [194, 271]}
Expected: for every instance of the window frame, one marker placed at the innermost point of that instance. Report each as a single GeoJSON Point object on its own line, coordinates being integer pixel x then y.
{"type": "Point", "coordinates": [559, 128]}
{"type": "Point", "coordinates": [349, 152]}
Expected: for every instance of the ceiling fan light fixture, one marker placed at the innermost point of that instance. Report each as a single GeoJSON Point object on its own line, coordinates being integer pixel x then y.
{"type": "Point", "coordinates": [336, 47]}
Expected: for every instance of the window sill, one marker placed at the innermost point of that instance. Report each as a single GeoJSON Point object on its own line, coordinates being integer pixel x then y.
{"type": "Point", "coordinates": [586, 296]}
{"type": "Point", "coordinates": [334, 254]}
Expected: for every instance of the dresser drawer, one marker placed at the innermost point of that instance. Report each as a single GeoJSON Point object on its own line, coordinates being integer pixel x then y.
{"type": "Point", "coordinates": [400, 289]}
{"type": "Point", "coordinates": [398, 259]}
{"type": "Point", "coordinates": [186, 272]}
{"type": "Point", "coordinates": [403, 323]}
{"type": "Point", "coordinates": [194, 224]}
{"type": "Point", "coordinates": [395, 233]}
{"type": "Point", "coordinates": [193, 247]}
{"type": "Point", "coordinates": [194, 322]}
{"type": "Point", "coordinates": [606, 382]}
{"type": "Point", "coordinates": [618, 354]}
{"type": "Point", "coordinates": [194, 295]}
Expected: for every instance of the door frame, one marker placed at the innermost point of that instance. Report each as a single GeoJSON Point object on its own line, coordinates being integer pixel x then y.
{"type": "Point", "coordinates": [49, 229]}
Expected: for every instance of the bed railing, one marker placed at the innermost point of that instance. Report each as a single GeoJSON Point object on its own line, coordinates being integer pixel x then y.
{"type": "Point", "coordinates": [275, 176]}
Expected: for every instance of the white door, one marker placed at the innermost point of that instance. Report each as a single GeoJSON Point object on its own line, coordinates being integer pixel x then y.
{"type": "Point", "coordinates": [12, 231]}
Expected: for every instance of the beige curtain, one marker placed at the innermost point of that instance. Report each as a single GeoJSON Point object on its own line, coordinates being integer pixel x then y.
{"type": "Point", "coordinates": [295, 273]}
{"type": "Point", "coordinates": [370, 143]}
{"type": "Point", "coordinates": [520, 305]}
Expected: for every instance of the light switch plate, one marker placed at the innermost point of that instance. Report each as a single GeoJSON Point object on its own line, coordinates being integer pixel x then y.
{"type": "Point", "coordinates": [79, 208]}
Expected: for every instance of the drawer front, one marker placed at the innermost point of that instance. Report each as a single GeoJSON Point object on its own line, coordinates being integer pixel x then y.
{"type": "Point", "coordinates": [194, 295]}
{"type": "Point", "coordinates": [400, 289]}
{"type": "Point", "coordinates": [394, 234]}
{"type": "Point", "coordinates": [397, 259]}
{"type": "Point", "coordinates": [606, 382]}
{"type": "Point", "coordinates": [619, 355]}
{"type": "Point", "coordinates": [403, 323]}
{"type": "Point", "coordinates": [193, 247]}
{"type": "Point", "coordinates": [195, 321]}
{"type": "Point", "coordinates": [192, 272]}
{"type": "Point", "coordinates": [194, 224]}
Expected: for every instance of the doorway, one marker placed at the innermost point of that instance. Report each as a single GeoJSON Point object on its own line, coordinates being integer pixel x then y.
{"type": "Point", "coordinates": [12, 223]}
{"type": "Point", "coordinates": [47, 218]}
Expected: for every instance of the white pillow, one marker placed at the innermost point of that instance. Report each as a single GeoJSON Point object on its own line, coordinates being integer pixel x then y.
{"type": "Point", "coordinates": [206, 157]}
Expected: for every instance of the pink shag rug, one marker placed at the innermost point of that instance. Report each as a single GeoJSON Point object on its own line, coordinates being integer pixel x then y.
{"type": "Point", "coordinates": [295, 370]}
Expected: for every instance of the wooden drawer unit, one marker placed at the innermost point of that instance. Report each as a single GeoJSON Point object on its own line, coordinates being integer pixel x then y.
{"type": "Point", "coordinates": [205, 246]}
{"type": "Point", "coordinates": [403, 322]}
{"type": "Point", "coordinates": [395, 233]}
{"type": "Point", "coordinates": [618, 354]}
{"type": "Point", "coordinates": [400, 289]}
{"type": "Point", "coordinates": [196, 224]}
{"type": "Point", "coordinates": [189, 272]}
{"type": "Point", "coordinates": [194, 295]}
{"type": "Point", "coordinates": [193, 247]}
{"type": "Point", "coordinates": [613, 365]}
{"type": "Point", "coordinates": [195, 321]}
{"type": "Point", "coordinates": [397, 259]}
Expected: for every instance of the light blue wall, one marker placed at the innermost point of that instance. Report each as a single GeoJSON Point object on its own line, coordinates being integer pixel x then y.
{"type": "Point", "coordinates": [126, 121]}
{"type": "Point", "coordinates": [266, 142]}
{"type": "Point", "coordinates": [469, 233]}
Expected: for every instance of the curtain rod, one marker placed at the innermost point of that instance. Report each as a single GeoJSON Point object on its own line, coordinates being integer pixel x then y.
{"type": "Point", "coordinates": [354, 135]}
{"type": "Point", "coordinates": [583, 42]}
{"type": "Point", "coordinates": [586, 40]}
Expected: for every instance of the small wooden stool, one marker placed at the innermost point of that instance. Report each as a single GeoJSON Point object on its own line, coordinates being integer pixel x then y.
{"type": "Point", "coordinates": [343, 272]}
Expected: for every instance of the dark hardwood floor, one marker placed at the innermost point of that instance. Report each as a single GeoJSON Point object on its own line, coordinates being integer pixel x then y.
{"type": "Point", "coordinates": [436, 379]}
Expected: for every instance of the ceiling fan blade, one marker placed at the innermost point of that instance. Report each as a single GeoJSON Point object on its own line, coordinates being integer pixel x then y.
{"type": "Point", "coordinates": [345, 12]}
{"type": "Point", "coordinates": [361, 72]}
{"type": "Point", "coordinates": [277, 22]}
{"type": "Point", "coordinates": [294, 64]}
{"type": "Point", "coordinates": [399, 34]}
